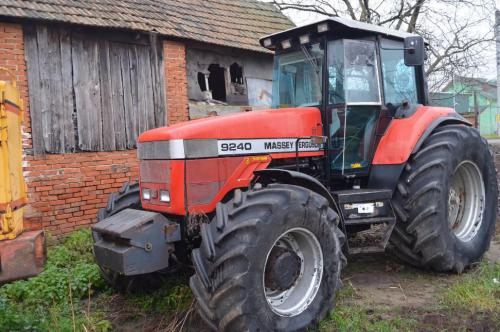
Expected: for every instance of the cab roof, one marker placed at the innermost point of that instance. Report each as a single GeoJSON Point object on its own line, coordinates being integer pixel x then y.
{"type": "Point", "coordinates": [335, 25]}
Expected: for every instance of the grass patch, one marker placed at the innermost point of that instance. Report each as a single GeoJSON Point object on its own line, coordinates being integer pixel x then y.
{"type": "Point", "coordinates": [491, 136]}
{"type": "Point", "coordinates": [347, 317]}
{"type": "Point", "coordinates": [173, 297]}
{"type": "Point", "coordinates": [472, 301]}
{"type": "Point", "coordinates": [52, 300]}
{"type": "Point", "coordinates": [353, 318]}
{"type": "Point", "coordinates": [478, 291]}
{"type": "Point", "coordinates": [70, 295]}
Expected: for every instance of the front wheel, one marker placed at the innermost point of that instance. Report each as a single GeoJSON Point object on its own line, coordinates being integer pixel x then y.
{"type": "Point", "coordinates": [269, 261]}
{"type": "Point", "coordinates": [446, 201]}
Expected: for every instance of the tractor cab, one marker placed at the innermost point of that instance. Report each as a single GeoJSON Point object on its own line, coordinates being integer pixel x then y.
{"type": "Point", "coordinates": [359, 75]}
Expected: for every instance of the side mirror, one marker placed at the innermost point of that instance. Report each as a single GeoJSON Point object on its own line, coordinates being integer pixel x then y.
{"type": "Point", "coordinates": [414, 51]}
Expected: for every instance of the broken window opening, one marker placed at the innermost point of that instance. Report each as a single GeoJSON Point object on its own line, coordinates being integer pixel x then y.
{"type": "Point", "coordinates": [202, 81]}
{"type": "Point", "coordinates": [236, 73]}
{"type": "Point", "coordinates": [217, 82]}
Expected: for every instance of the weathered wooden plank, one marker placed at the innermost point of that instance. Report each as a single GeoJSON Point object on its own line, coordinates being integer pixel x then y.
{"type": "Point", "coordinates": [79, 78]}
{"type": "Point", "coordinates": [33, 69]}
{"type": "Point", "coordinates": [148, 96]}
{"type": "Point", "coordinates": [157, 72]}
{"type": "Point", "coordinates": [107, 106]}
{"type": "Point", "coordinates": [127, 96]}
{"type": "Point", "coordinates": [94, 87]}
{"type": "Point", "coordinates": [136, 86]}
{"type": "Point", "coordinates": [45, 100]}
{"type": "Point", "coordinates": [117, 96]}
{"type": "Point", "coordinates": [87, 93]}
{"type": "Point", "coordinates": [141, 100]}
{"type": "Point", "coordinates": [55, 117]}
{"type": "Point", "coordinates": [67, 125]}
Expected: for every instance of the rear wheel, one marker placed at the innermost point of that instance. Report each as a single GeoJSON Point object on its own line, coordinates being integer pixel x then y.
{"type": "Point", "coordinates": [446, 201]}
{"type": "Point", "coordinates": [128, 197]}
{"type": "Point", "coordinates": [269, 261]}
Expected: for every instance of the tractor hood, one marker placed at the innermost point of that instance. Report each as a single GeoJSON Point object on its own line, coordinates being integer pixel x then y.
{"type": "Point", "coordinates": [273, 123]}
{"type": "Point", "coordinates": [256, 132]}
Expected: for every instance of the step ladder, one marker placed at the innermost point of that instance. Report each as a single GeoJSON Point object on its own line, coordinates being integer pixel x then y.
{"type": "Point", "coordinates": [370, 208]}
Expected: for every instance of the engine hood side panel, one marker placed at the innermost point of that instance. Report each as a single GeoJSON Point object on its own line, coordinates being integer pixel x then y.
{"type": "Point", "coordinates": [287, 122]}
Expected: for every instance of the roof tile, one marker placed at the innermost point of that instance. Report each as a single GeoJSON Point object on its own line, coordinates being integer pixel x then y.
{"type": "Point", "coordinates": [233, 23]}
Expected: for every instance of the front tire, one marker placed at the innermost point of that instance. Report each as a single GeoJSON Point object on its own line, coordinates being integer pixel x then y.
{"type": "Point", "coordinates": [262, 244]}
{"type": "Point", "coordinates": [446, 201]}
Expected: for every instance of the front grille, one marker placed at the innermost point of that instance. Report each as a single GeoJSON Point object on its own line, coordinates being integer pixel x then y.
{"type": "Point", "coordinates": [153, 150]}
{"type": "Point", "coordinates": [155, 171]}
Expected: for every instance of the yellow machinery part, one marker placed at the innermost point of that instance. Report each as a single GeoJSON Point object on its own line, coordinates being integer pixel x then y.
{"type": "Point", "coordinates": [12, 186]}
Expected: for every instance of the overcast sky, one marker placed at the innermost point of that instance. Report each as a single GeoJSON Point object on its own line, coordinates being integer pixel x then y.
{"type": "Point", "coordinates": [489, 71]}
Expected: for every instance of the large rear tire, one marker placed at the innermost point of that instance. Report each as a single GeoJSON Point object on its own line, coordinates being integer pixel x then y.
{"type": "Point", "coordinates": [128, 197]}
{"type": "Point", "coordinates": [446, 201]}
{"type": "Point", "coordinates": [269, 261]}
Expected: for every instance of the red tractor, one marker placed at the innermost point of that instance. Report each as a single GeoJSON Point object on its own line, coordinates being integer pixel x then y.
{"type": "Point", "coordinates": [263, 202]}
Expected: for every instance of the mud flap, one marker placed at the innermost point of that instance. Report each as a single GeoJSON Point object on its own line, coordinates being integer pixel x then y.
{"type": "Point", "coordinates": [22, 257]}
{"type": "Point", "coordinates": [135, 242]}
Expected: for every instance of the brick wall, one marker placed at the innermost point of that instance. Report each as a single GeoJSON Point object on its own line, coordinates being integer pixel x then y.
{"type": "Point", "coordinates": [66, 190]}
{"type": "Point", "coordinates": [174, 54]}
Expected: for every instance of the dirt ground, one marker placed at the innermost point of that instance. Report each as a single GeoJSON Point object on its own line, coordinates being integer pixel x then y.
{"type": "Point", "coordinates": [382, 282]}
{"type": "Point", "coordinates": [379, 283]}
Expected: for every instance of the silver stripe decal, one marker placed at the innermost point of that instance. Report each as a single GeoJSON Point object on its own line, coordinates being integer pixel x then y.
{"type": "Point", "coordinates": [210, 148]}
{"type": "Point", "coordinates": [177, 149]}
{"type": "Point", "coordinates": [264, 145]}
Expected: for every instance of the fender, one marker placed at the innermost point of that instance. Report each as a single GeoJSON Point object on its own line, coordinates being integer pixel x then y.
{"type": "Point", "coordinates": [404, 136]}
{"type": "Point", "coordinates": [455, 118]}
{"type": "Point", "coordinates": [298, 179]}
{"type": "Point", "coordinates": [387, 169]}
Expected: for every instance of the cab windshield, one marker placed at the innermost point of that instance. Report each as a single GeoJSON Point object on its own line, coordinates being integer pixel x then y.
{"type": "Point", "coordinates": [297, 77]}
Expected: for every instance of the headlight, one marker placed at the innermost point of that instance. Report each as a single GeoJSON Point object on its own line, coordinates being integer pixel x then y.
{"type": "Point", "coordinates": [164, 196]}
{"type": "Point", "coordinates": [146, 194]}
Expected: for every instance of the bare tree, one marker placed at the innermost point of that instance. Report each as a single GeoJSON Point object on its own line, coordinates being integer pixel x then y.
{"type": "Point", "coordinates": [458, 31]}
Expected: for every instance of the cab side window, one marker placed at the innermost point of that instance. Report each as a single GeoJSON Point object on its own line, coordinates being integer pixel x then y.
{"type": "Point", "coordinates": [361, 77]}
{"type": "Point", "coordinates": [399, 79]}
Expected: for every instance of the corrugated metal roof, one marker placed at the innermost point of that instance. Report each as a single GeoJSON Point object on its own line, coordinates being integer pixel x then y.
{"type": "Point", "coordinates": [233, 23]}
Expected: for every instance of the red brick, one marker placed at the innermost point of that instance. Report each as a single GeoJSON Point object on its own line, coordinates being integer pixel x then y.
{"type": "Point", "coordinates": [175, 76]}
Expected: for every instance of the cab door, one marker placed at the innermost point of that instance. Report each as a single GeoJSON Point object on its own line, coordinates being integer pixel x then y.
{"type": "Point", "coordinates": [354, 104]}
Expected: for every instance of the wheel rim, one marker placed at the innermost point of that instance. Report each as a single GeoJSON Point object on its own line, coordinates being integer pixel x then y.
{"type": "Point", "coordinates": [296, 298]}
{"type": "Point", "coordinates": [466, 201]}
